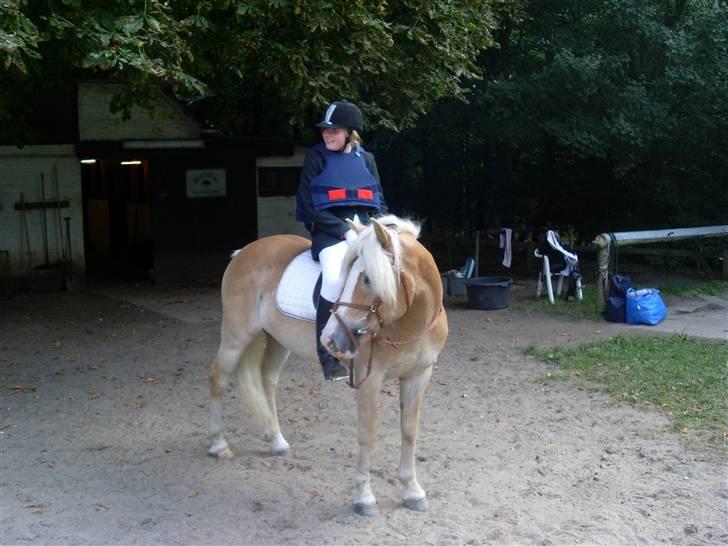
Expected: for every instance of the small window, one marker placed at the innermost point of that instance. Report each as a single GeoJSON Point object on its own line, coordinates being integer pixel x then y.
{"type": "Point", "coordinates": [278, 181]}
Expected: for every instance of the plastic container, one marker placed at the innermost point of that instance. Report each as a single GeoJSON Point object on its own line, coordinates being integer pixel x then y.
{"type": "Point", "coordinates": [456, 286]}
{"type": "Point", "coordinates": [487, 293]}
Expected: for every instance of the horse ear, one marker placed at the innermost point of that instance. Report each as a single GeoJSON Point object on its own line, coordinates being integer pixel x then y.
{"type": "Point", "coordinates": [385, 239]}
{"type": "Point", "coordinates": [356, 226]}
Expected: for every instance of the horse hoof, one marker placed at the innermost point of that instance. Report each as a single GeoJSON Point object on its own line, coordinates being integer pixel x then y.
{"type": "Point", "coordinates": [282, 453]}
{"type": "Point", "coordinates": [368, 510]}
{"type": "Point", "coordinates": [224, 454]}
{"type": "Point", "coordinates": [418, 505]}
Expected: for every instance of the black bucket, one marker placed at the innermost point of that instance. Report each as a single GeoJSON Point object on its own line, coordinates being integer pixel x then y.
{"type": "Point", "coordinates": [489, 292]}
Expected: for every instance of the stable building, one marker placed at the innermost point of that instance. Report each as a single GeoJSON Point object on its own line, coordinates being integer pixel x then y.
{"type": "Point", "coordinates": [149, 197]}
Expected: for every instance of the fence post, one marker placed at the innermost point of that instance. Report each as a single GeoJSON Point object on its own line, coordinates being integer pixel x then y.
{"type": "Point", "coordinates": [477, 253]}
{"type": "Point", "coordinates": [602, 244]}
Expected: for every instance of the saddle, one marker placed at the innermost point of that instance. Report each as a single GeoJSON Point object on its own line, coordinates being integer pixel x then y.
{"type": "Point", "coordinates": [298, 292]}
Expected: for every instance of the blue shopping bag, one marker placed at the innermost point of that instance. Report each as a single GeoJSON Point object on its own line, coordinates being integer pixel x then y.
{"type": "Point", "coordinates": [645, 306]}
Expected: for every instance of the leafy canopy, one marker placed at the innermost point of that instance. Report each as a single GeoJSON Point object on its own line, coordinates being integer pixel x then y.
{"type": "Point", "coordinates": [605, 114]}
{"type": "Point", "coordinates": [258, 62]}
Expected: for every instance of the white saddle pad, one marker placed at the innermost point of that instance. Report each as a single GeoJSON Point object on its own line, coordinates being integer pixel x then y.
{"type": "Point", "coordinates": [294, 296]}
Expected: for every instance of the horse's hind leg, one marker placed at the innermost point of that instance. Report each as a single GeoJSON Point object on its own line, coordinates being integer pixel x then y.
{"type": "Point", "coordinates": [411, 391]}
{"type": "Point", "coordinates": [273, 360]}
{"type": "Point", "coordinates": [226, 361]}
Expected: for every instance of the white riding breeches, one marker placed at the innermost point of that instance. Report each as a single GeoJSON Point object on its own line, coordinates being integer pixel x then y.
{"type": "Point", "coordinates": [332, 277]}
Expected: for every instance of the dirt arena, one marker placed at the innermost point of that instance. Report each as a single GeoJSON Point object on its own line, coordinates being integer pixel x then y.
{"type": "Point", "coordinates": [103, 439]}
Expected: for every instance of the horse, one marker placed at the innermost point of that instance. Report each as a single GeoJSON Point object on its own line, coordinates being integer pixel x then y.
{"type": "Point", "coordinates": [389, 323]}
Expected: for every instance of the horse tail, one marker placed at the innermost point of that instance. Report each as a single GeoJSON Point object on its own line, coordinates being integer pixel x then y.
{"type": "Point", "coordinates": [250, 379]}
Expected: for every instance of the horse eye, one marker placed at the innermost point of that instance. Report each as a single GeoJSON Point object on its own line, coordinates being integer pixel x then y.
{"type": "Point", "coordinates": [367, 281]}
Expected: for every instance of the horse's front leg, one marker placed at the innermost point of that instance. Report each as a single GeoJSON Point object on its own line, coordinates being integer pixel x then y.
{"type": "Point", "coordinates": [411, 392]}
{"type": "Point", "coordinates": [365, 503]}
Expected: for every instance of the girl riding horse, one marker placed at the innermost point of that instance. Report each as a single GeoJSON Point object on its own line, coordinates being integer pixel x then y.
{"type": "Point", "coordinates": [339, 181]}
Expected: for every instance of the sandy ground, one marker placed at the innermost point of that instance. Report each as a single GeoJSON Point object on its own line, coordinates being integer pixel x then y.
{"type": "Point", "coordinates": [103, 424]}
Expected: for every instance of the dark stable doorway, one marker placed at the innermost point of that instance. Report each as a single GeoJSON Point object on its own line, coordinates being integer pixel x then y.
{"type": "Point", "coordinates": [117, 219]}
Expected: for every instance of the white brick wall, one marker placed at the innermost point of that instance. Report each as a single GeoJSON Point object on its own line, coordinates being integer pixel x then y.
{"type": "Point", "coordinates": [95, 122]}
{"type": "Point", "coordinates": [20, 171]}
{"type": "Point", "coordinates": [278, 214]}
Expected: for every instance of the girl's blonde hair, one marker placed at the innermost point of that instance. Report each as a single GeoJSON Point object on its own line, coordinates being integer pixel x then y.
{"type": "Point", "coordinates": [355, 139]}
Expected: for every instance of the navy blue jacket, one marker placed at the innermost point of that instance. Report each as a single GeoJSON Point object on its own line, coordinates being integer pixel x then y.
{"type": "Point", "coordinates": [328, 225]}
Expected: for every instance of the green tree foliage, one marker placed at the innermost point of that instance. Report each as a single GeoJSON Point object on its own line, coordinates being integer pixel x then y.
{"type": "Point", "coordinates": [257, 64]}
{"type": "Point", "coordinates": [604, 114]}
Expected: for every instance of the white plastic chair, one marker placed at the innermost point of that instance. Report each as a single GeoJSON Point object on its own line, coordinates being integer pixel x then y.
{"type": "Point", "coordinates": [544, 278]}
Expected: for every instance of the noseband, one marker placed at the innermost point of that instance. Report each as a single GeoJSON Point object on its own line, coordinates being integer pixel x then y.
{"type": "Point", "coordinates": [373, 309]}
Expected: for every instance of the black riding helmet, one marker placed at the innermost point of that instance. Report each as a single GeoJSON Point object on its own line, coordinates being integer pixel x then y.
{"type": "Point", "coordinates": [342, 115]}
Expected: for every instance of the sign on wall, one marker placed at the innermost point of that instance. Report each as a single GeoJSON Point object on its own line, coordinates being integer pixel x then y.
{"type": "Point", "coordinates": [205, 183]}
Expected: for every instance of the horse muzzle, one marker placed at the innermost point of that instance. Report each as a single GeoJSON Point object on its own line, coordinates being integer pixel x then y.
{"type": "Point", "coordinates": [341, 344]}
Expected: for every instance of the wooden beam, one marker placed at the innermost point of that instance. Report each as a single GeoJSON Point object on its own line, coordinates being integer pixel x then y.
{"type": "Point", "coordinates": [34, 205]}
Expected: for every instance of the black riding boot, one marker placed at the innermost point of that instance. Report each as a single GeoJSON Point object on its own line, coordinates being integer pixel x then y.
{"type": "Point", "coordinates": [333, 371]}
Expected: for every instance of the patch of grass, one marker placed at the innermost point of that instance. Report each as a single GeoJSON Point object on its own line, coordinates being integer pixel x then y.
{"type": "Point", "coordinates": [685, 377]}
{"type": "Point", "coordinates": [578, 310]}
{"type": "Point", "coordinates": [686, 290]}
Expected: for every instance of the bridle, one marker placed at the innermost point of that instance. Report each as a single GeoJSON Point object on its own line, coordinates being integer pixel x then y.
{"type": "Point", "coordinates": [373, 309]}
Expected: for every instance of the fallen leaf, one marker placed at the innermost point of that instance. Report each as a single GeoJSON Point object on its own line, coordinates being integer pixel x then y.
{"type": "Point", "coordinates": [17, 389]}
{"type": "Point", "coordinates": [103, 507]}
{"type": "Point", "coordinates": [56, 343]}
{"type": "Point", "coordinates": [71, 397]}
{"type": "Point", "coordinates": [87, 418]}
{"type": "Point", "coordinates": [37, 508]}
{"type": "Point", "coordinates": [150, 381]}
{"type": "Point", "coordinates": [193, 493]}
{"type": "Point", "coordinates": [317, 495]}
{"type": "Point", "coordinates": [94, 396]}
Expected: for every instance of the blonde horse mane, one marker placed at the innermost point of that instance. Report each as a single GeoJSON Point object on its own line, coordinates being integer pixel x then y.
{"type": "Point", "coordinates": [382, 266]}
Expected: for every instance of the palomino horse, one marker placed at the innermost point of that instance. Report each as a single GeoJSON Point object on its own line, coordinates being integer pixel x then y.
{"type": "Point", "coordinates": [389, 318]}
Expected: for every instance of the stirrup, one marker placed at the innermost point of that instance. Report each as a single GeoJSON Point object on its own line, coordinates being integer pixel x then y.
{"type": "Point", "coordinates": [334, 371]}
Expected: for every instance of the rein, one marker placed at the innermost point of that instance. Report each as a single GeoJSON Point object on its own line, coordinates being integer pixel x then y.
{"type": "Point", "coordinates": [373, 309]}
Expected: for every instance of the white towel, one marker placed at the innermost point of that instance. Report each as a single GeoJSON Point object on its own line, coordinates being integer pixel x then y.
{"type": "Point", "coordinates": [571, 259]}
{"type": "Point", "coordinates": [505, 243]}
